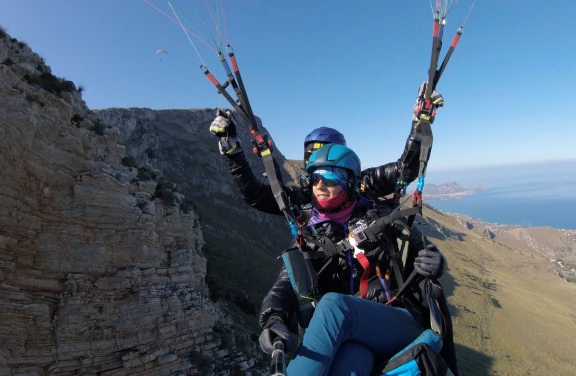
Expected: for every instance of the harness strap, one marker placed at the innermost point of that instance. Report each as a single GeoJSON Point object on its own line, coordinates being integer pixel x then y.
{"type": "Point", "coordinates": [395, 262]}
{"type": "Point", "coordinates": [314, 255]}
{"type": "Point", "coordinates": [329, 248]}
{"type": "Point", "coordinates": [364, 278]}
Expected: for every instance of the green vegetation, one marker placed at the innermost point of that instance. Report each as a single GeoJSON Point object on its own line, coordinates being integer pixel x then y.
{"type": "Point", "coordinates": [76, 118]}
{"type": "Point", "coordinates": [187, 206]}
{"type": "Point", "coordinates": [199, 359]}
{"type": "Point", "coordinates": [224, 335]}
{"type": "Point", "coordinates": [145, 173]}
{"type": "Point", "coordinates": [166, 191]}
{"type": "Point", "coordinates": [130, 161]}
{"type": "Point", "coordinates": [50, 83]}
{"type": "Point", "coordinates": [99, 129]}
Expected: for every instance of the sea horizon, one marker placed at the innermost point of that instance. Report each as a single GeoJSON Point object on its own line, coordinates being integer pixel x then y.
{"type": "Point", "coordinates": [529, 195]}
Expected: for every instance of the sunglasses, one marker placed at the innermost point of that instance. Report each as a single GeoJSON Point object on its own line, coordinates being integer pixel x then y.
{"type": "Point", "coordinates": [327, 180]}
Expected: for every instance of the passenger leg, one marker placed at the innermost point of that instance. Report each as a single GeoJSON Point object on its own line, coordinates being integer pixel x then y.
{"type": "Point", "coordinates": [352, 359]}
{"type": "Point", "coordinates": [340, 318]}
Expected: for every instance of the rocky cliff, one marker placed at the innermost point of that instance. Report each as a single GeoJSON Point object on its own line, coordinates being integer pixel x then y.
{"type": "Point", "coordinates": [102, 269]}
{"type": "Point", "coordinates": [239, 241]}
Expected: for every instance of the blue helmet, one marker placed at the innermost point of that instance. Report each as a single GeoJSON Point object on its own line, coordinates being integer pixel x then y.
{"type": "Point", "coordinates": [320, 137]}
{"type": "Point", "coordinates": [333, 155]}
{"type": "Point", "coordinates": [325, 135]}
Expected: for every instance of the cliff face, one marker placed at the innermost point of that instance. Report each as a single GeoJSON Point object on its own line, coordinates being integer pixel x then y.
{"type": "Point", "coordinates": [98, 273]}
{"type": "Point", "coordinates": [240, 241]}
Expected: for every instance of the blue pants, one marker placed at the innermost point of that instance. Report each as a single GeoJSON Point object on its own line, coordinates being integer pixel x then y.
{"type": "Point", "coordinates": [346, 333]}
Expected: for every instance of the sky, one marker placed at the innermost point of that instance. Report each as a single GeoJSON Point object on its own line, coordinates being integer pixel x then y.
{"type": "Point", "coordinates": [351, 65]}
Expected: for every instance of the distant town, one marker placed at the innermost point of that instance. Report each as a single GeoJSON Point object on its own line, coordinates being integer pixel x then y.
{"type": "Point", "coordinates": [563, 267]}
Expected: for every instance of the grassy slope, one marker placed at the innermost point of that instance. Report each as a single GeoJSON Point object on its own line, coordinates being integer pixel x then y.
{"type": "Point", "coordinates": [511, 316]}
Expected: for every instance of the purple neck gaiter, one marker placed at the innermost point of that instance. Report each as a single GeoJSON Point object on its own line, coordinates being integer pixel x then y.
{"type": "Point", "coordinates": [339, 216]}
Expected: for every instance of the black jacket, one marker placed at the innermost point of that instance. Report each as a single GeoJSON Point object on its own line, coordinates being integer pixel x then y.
{"type": "Point", "coordinates": [381, 181]}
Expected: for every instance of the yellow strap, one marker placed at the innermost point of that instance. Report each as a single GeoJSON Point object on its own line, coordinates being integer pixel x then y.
{"type": "Point", "coordinates": [317, 145]}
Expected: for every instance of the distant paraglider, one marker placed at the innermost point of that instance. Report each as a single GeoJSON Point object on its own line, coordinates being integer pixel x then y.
{"type": "Point", "coordinates": [162, 51]}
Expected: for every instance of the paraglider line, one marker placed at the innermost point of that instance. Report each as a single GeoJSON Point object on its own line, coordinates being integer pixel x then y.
{"type": "Point", "coordinates": [224, 18]}
{"type": "Point", "coordinates": [216, 23]}
{"type": "Point", "coordinates": [207, 28]}
{"type": "Point", "coordinates": [191, 25]}
{"type": "Point", "coordinates": [185, 32]}
{"type": "Point", "coordinates": [176, 22]}
{"type": "Point", "coordinates": [468, 15]}
{"type": "Point", "coordinates": [170, 31]}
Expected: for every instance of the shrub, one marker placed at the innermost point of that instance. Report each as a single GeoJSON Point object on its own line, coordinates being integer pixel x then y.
{"type": "Point", "coordinates": [187, 206]}
{"type": "Point", "coordinates": [50, 83]}
{"type": "Point", "coordinates": [199, 359]}
{"type": "Point", "coordinates": [99, 129]}
{"type": "Point", "coordinates": [165, 191]}
{"type": "Point", "coordinates": [245, 305]}
{"type": "Point", "coordinates": [81, 88]}
{"type": "Point", "coordinates": [22, 44]}
{"type": "Point", "coordinates": [225, 336]}
{"type": "Point", "coordinates": [145, 173]}
{"type": "Point", "coordinates": [130, 161]}
{"type": "Point", "coordinates": [168, 196]}
{"type": "Point", "coordinates": [8, 62]}
{"type": "Point", "coordinates": [13, 40]}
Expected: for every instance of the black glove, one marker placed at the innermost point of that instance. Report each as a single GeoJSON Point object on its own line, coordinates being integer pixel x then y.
{"type": "Point", "coordinates": [429, 262]}
{"type": "Point", "coordinates": [224, 127]}
{"type": "Point", "coordinates": [437, 101]}
{"type": "Point", "coordinates": [275, 327]}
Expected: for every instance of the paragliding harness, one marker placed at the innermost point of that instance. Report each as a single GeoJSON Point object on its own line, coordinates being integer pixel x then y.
{"type": "Point", "coordinates": [376, 229]}
{"type": "Point", "coordinates": [423, 353]}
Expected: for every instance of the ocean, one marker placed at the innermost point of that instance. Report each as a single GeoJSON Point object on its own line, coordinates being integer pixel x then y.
{"type": "Point", "coordinates": [540, 194]}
